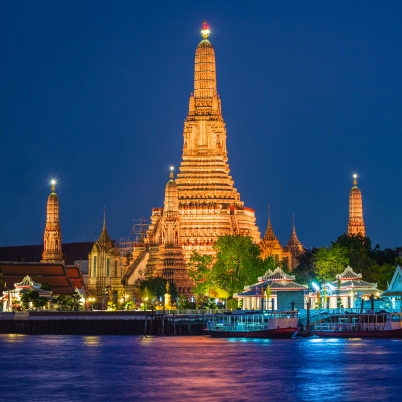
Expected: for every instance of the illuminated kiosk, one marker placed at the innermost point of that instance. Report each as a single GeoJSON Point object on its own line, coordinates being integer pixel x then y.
{"type": "Point", "coordinates": [349, 287]}
{"type": "Point", "coordinates": [277, 286]}
{"type": "Point", "coordinates": [394, 291]}
{"type": "Point", "coordinates": [12, 298]}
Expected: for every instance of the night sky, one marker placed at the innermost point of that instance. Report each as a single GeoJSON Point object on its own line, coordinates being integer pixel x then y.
{"type": "Point", "coordinates": [95, 94]}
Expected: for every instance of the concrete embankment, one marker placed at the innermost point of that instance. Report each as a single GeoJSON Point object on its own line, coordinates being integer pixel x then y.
{"type": "Point", "coordinates": [100, 323]}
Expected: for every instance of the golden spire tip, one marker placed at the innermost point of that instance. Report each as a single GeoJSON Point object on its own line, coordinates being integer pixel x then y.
{"type": "Point", "coordinates": [205, 31]}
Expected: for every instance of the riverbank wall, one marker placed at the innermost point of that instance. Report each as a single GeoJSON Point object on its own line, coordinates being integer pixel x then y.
{"type": "Point", "coordinates": [101, 323]}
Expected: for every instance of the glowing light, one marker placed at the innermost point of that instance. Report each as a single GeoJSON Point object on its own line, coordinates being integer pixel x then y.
{"type": "Point", "coordinates": [53, 182]}
{"type": "Point", "coordinates": [330, 286]}
{"type": "Point", "coordinates": [355, 176]}
{"type": "Point", "coordinates": [205, 31]}
{"type": "Point", "coordinates": [315, 286]}
{"type": "Point", "coordinates": [171, 168]}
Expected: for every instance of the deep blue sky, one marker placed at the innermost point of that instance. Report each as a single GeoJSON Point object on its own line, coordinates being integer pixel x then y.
{"type": "Point", "coordinates": [95, 94]}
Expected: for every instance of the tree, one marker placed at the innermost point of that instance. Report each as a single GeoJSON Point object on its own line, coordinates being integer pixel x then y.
{"type": "Point", "coordinates": [46, 286]}
{"type": "Point", "coordinates": [305, 270]}
{"type": "Point", "coordinates": [157, 285]}
{"type": "Point", "coordinates": [238, 263]}
{"type": "Point", "coordinates": [199, 270]}
{"type": "Point", "coordinates": [330, 261]}
{"type": "Point", "coordinates": [25, 300]}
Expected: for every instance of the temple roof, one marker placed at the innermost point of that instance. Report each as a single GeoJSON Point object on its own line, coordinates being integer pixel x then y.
{"type": "Point", "coordinates": [293, 243]}
{"type": "Point", "coordinates": [104, 243]}
{"type": "Point", "coordinates": [27, 282]}
{"type": "Point", "coordinates": [282, 285]}
{"type": "Point", "coordinates": [277, 275]}
{"type": "Point", "coordinates": [349, 274]}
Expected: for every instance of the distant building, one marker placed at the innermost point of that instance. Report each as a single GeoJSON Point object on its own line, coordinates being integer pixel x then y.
{"type": "Point", "coordinates": [104, 268]}
{"type": "Point", "coordinates": [271, 246]}
{"type": "Point", "coordinates": [356, 222]}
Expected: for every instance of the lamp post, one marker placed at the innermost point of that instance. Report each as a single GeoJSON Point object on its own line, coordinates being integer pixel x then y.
{"type": "Point", "coordinates": [91, 300]}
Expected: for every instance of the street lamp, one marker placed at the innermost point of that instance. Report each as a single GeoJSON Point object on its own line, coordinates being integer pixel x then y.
{"type": "Point", "coordinates": [91, 300]}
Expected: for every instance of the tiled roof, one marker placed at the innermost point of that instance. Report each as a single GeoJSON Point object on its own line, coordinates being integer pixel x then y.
{"type": "Point", "coordinates": [278, 274]}
{"type": "Point", "coordinates": [348, 273]}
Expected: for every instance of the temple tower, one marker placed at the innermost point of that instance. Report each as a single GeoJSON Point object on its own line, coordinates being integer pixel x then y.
{"type": "Point", "coordinates": [104, 268]}
{"type": "Point", "coordinates": [270, 244]}
{"type": "Point", "coordinates": [209, 205]}
{"type": "Point", "coordinates": [294, 247]}
{"type": "Point", "coordinates": [356, 222]}
{"type": "Point", "coordinates": [52, 237]}
{"type": "Point", "coordinates": [171, 264]}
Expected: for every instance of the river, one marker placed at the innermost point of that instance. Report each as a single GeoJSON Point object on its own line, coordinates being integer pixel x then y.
{"type": "Point", "coordinates": [135, 368]}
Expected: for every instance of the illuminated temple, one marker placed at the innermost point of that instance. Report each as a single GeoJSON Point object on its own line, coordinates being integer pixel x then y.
{"type": "Point", "coordinates": [356, 222]}
{"type": "Point", "coordinates": [208, 204]}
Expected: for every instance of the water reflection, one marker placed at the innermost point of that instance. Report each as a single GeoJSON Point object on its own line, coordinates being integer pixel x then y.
{"type": "Point", "coordinates": [125, 368]}
{"type": "Point", "coordinates": [91, 340]}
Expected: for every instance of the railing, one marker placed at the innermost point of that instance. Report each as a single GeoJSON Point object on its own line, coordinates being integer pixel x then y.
{"type": "Point", "coordinates": [331, 327]}
{"type": "Point", "coordinates": [192, 311]}
{"type": "Point", "coordinates": [323, 314]}
{"type": "Point", "coordinates": [238, 327]}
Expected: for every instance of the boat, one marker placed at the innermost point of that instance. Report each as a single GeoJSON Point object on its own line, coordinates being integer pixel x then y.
{"type": "Point", "coordinates": [361, 325]}
{"type": "Point", "coordinates": [272, 325]}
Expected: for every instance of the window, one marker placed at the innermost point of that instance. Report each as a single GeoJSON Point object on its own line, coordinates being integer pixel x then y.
{"type": "Point", "coordinates": [108, 267]}
{"type": "Point", "coordinates": [115, 268]}
{"type": "Point", "coordinates": [94, 266]}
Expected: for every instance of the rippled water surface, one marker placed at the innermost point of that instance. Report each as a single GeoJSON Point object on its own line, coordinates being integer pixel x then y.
{"type": "Point", "coordinates": [124, 368]}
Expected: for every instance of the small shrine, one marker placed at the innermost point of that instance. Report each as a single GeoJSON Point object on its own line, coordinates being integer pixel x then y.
{"type": "Point", "coordinates": [275, 290]}
{"type": "Point", "coordinates": [347, 291]}
{"type": "Point", "coordinates": [12, 298]}
{"type": "Point", "coordinates": [394, 291]}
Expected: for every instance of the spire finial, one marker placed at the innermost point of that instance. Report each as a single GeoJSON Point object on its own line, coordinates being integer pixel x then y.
{"type": "Point", "coordinates": [171, 172]}
{"type": "Point", "coordinates": [53, 183]}
{"type": "Point", "coordinates": [269, 214]}
{"type": "Point", "coordinates": [104, 220]}
{"type": "Point", "coordinates": [354, 179]}
{"type": "Point", "coordinates": [205, 31]}
{"type": "Point", "coordinates": [293, 222]}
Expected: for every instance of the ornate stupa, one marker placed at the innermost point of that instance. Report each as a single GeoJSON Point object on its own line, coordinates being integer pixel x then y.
{"type": "Point", "coordinates": [169, 262]}
{"type": "Point", "coordinates": [52, 237]}
{"type": "Point", "coordinates": [356, 222]}
{"type": "Point", "coordinates": [209, 205]}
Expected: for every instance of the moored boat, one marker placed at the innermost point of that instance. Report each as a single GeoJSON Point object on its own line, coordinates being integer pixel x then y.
{"type": "Point", "coordinates": [271, 325]}
{"type": "Point", "coordinates": [364, 325]}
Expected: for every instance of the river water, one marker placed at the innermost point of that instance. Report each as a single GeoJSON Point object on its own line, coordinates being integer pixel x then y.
{"type": "Point", "coordinates": [134, 368]}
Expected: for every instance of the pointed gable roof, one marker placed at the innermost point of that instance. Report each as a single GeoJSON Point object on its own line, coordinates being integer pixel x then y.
{"type": "Point", "coordinates": [27, 282]}
{"type": "Point", "coordinates": [348, 274]}
{"type": "Point", "coordinates": [104, 243]}
{"type": "Point", "coordinates": [294, 243]}
{"type": "Point", "coordinates": [277, 275]}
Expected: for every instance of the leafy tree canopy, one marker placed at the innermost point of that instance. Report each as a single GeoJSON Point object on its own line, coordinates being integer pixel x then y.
{"type": "Point", "coordinates": [330, 261]}
{"type": "Point", "coordinates": [238, 263]}
{"type": "Point", "coordinates": [157, 285]}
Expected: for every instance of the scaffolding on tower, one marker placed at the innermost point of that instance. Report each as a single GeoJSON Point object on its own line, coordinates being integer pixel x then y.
{"type": "Point", "coordinates": [126, 245]}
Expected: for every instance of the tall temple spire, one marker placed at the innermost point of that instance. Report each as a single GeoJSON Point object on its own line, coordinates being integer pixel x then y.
{"type": "Point", "coordinates": [52, 236]}
{"type": "Point", "coordinates": [204, 183]}
{"type": "Point", "coordinates": [356, 222]}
